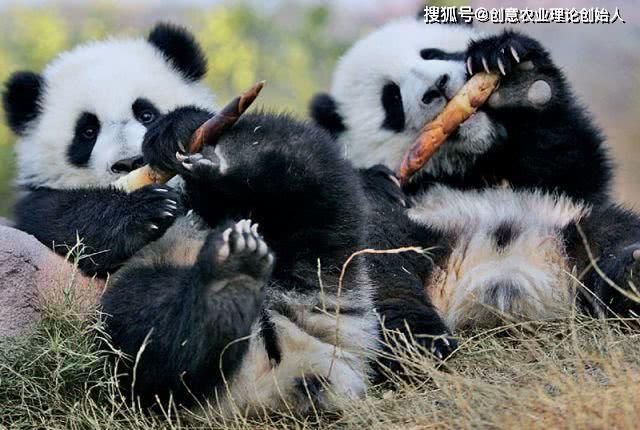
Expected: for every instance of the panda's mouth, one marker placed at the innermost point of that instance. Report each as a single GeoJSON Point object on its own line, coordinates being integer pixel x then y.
{"type": "Point", "coordinates": [127, 165]}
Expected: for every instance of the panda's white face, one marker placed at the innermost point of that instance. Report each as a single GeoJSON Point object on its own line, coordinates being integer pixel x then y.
{"type": "Point", "coordinates": [97, 102]}
{"type": "Point", "coordinates": [394, 81]}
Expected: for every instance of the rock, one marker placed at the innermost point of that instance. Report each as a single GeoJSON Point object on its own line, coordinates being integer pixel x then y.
{"type": "Point", "coordinates": [30, 274]}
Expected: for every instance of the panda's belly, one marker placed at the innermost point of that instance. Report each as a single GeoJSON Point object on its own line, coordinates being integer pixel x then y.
{"type": "Point", "coordinates": [507, 255]}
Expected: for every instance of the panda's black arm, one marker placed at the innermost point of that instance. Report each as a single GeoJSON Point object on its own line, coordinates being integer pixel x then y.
{"type": "Point", "coordinates": [111, 224]}
{"type": "Point", "coordinates": [189, 320]}
{"type": "Point", "coordinates": [550, 142]}
{"type": "Point", "coordinates": [294, 182]}
{"type": "Point", "coordinates": [612, 234]}
{"type": "Point", "coordinates": [399, 294]}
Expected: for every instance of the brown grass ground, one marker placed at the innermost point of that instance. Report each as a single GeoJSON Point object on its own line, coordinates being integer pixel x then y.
{"type": "Point", "coordinates": [575, 373]}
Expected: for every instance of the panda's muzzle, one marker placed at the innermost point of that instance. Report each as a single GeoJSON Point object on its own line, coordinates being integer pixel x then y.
{"type": "Point", "coordinates": [126, 165]}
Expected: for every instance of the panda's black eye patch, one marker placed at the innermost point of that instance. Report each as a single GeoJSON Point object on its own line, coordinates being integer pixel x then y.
{"type": "Point", "coordinates": [393, 108]}
{"type": "Point", "coordinates": [438, 54]}
{"type": "Point", "coordinates": [84, 139]}
{"type": "Point", "coordinates": [144, 111]}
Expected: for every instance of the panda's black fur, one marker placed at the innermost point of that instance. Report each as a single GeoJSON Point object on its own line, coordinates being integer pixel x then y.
{"type": "Point", "coordinates": [532, 137]}
{"type": "Point", "coordinates": [59, 209]}
{"type": "Point", "coordinates": [193, 294]}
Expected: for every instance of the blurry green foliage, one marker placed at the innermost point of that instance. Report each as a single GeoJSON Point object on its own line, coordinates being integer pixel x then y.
{"type": "Point", "coordinates": [294, 53]}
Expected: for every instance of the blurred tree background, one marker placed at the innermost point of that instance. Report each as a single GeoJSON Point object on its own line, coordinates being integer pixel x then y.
{"type": "Point", "coordinates": [294, 45]}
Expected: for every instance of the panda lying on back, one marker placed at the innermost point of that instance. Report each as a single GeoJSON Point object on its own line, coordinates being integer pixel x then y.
{"type": "Point", "coordinates": [199, 296]}
{"type": "Point", "coordinates": [510, 249]}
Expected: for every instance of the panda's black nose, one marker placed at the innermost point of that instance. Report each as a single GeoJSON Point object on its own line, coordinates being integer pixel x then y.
{"type": "Point", "coordinates": [127, 164]}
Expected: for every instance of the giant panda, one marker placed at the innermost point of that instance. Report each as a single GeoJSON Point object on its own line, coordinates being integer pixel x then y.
{"type": "Point", "coordinates": [196, 301]}
{"type": "Point", "coordinates": [516, 192]}
{"type": "Point", "coordinates": [185, 289]}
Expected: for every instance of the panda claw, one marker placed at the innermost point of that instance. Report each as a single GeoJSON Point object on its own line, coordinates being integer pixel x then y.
{"type": "Point", "coordinates": [438, 355]}
{"type": "Point", "coordinates": [167, 214]}
{"type": "Point", "coordinates": [187, 165]}
{"type": "Point", "coordinates": [153, 227]}
{"type": "Point", "coordinates": [181, 157]}
{"type": "Point", "coordinates": [171, 202]}
{"type": "Point", "coordinates": [226, 234]}
{"type": "Point", "coordinates": [252, 245]}
{"type": "Point", "coordinates": [224, 252]}
{"type": "Point", "coordinates": [485, 65]}
{"type": "Point", "coordinates": [263, 249]}
{"type": "Point", "coordinates": [501, 67]}
{"type": "Point", "coordinates": [161, 190]}
{"type": "Point", "coordinates": [181, 147]}
{"type": "Point", "coordinates": [469, 68]}
{"type": "Point", "coordinates": [515, 54]}
{"type": "Point", "coordinates": [395, 180]}
{"type": "Point", "coordinates": [446, 341]}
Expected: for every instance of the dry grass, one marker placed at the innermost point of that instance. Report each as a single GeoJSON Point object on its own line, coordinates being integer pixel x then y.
{"type": "Point", "coordinates": [573, 373]}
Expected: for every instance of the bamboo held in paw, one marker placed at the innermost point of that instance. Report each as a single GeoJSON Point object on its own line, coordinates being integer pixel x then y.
{"type": "Point", "coordinates": [464, 104]}
{"type": "Point", "coordinates": [207, 134]}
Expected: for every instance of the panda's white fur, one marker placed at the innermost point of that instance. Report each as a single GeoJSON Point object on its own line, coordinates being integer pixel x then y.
{"type": "Point", "coordinates": [104, 78]}
{"type": "Point", "coordinates": [360, 75]}
{"type": "Point", "coordinates": [528, 277]}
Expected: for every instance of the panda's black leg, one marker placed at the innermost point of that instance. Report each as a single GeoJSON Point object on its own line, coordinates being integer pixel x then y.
{"type": "Point", "coordinates": [605, 247]}
{"type": "Point", "coordinates": [618, 285]}
{"type": "Point", "coordinates": [186, 324]}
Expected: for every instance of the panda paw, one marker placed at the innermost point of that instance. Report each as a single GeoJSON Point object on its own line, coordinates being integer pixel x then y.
{"type": "Point", "coordinates": [152, 210]}
{"type": "Point", "coordinates": [205, 166]}
{"type": "Point", "coordinates": [240, 248]}
{"type": "Point", "coordinates": [381, 181]}
{"type": "Point", "coordinates": [170, 133]}
{"type": "Point", "coordinates": [503, 54]}
{"type": "Point", "coordinates": [623, 268]}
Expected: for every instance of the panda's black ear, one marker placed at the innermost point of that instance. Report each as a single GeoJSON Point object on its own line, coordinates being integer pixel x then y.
{"type": "Point", "coordinates": [181, 49]}
{"type": "Point", "coordinates": [324, 111]}
{"type": "Point", "coordinates": [20, 99]}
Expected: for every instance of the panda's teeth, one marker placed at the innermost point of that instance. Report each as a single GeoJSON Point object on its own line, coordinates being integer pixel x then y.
{"type": "Point", "coordinates": [254, 229]}
{"type": "Point", "coordinates": [469, 68]}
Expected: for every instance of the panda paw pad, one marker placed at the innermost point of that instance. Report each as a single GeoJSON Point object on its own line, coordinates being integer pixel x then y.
{"type": "Point", "coordinates": [243, 246]}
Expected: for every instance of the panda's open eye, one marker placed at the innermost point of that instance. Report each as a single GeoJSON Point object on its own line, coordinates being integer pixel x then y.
{"type": "Point", "coordinates": [84, 139]}
{"type": "Point", "coordinates": [147, 117]}
{"type": "Point", "coordinates": [144, 111]}
{"type": "Point", "coordinates": [89, 133]}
